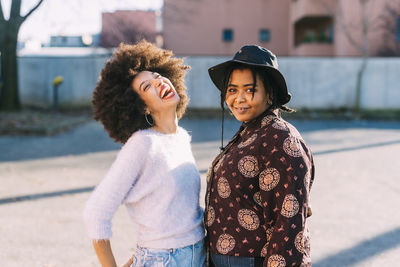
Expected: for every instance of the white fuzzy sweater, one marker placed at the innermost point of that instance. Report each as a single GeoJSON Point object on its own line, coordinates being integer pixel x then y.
{"type": "Point", "coordinates": [155, 176]}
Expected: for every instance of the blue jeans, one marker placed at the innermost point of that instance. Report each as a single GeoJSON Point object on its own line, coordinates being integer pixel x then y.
{"type": "Point", "coordinates": [232, 261]}
{"type": "Point", "coordinates": [189, 256]}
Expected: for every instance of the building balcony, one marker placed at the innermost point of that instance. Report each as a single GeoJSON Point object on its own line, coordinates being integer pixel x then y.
{"type": "Point", "coordinates": [313, 36]}
{"type": "Point", "coordinates": [313, 50]}
{"type": "Point", "coordinates": [314, 30]}
{"type": "Point", "coordinates": [311, 8]}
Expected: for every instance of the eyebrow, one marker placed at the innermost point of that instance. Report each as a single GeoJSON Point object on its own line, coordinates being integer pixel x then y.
{"type": "Point", "coordinates": [144, 82]}
{"type": "Point", "coordinates": [245, 85]}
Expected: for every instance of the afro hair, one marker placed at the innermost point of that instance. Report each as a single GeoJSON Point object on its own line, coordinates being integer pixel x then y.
{"type": "Point", "coordinates": [116, 105]}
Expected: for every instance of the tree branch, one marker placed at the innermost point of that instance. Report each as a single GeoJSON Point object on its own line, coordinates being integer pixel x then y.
{"type": "Point", "coordinates": [15, 9]}
{"type": "Point", "coordinates": [365, 28]}
{"type": "Point", "coordinates": [390, 47]}
{"type": "Point", "coordinates": [373, 22]}
{"type": "Point", "coordinates": [345, 30]}
{"type": "Point", "coordinates": [1, 13]}
{"type": "Point", "coordinates": [171, 10]}
{"type": "Point", "coordinates": [32, 10]}
{"type": "Point", "coordinates": [327, 6]}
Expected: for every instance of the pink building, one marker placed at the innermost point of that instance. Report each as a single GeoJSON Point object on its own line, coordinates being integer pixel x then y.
{"type": "Point", "coordinates": [287, 27]}
{"type": "Point", "coordinates": [128, 26]}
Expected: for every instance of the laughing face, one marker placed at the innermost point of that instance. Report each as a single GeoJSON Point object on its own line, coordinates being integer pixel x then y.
{"type": "Point", "coordinates": [156, 91]}
{"type": "Point", "coordinates": [245, 100]}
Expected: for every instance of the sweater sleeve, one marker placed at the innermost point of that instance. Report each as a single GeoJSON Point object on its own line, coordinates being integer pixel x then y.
{"type": "Point", "coordinates": [110, 193]}
{"type": "Point", "coordinates": [286, 198]}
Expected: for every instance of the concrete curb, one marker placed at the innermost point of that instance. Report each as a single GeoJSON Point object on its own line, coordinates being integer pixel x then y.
{"type": "Point", "coordinates": [39, 123]}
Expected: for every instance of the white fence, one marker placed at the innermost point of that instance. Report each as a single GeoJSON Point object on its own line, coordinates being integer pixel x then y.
{"type": "Point", "coordinates": [79, 67]}
{"type": "Point", "coordinates": [313, 82]}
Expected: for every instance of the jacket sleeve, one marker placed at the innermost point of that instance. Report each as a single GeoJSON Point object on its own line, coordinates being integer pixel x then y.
{"type": "Point", "coordinates": [110, 193]}
{"type": "Point", "coordinates": [283, 182]}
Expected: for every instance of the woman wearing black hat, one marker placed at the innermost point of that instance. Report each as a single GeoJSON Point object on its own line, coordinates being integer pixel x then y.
{"type": "Point", "coordinates": [258, 187]}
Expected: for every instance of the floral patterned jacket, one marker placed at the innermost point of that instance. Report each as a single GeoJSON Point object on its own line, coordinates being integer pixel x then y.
{"type": "Point", "coordinates": [257, 198]}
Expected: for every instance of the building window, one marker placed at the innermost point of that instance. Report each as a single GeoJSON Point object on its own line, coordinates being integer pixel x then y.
{"type": "Point", "coordinates": [398, 29]}
{"type": "Point", "coordinates": [265, 35]}
{"type": "Point", "coordinates": [314, 30]}
{"type": "Point", "coordinates": [331, 33]}
{"type": "Point", "coordinates": [227, 35]}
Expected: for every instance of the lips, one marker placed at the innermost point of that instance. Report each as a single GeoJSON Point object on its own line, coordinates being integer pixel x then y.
{"type": "Point", "coordinates": [166, 92]}
{"type": "Point", "coordinates": [241, 110]}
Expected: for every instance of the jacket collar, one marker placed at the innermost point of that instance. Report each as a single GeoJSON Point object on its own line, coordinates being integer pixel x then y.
{"type": "Point", "coordinates": [257, 122]}
{"type": "Point", "coordinates": [262, 120]}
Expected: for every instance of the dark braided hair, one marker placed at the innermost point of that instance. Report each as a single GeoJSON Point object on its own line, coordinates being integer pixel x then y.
{"type": "Point", "coordinates": [269, 86]}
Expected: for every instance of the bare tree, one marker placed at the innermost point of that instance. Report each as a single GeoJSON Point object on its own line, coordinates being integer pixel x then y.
{"type": "Point", "coordinates": [9, 29]}
{"type": "Point", "coordinates": [389, 19]}
{"type": "Point", "coordinates": [120, 29]}
{"type": "Point", "coordinates": [360, 28]}
{"type": "Point", "coordinates": [365, 26]}
{"type": "Point", "coordinates": [177, 12]}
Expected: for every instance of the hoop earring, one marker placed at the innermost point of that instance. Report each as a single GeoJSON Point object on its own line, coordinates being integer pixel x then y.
{"type": "Point", "coordinates": [147, 119]}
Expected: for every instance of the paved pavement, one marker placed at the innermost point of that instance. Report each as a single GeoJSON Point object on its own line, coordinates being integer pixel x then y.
{"type": "Point", "coordinates": [45, 182]}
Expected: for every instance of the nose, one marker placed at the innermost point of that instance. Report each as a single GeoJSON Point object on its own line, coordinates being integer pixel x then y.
{"type": "Point", "coordinates": [240, 97]}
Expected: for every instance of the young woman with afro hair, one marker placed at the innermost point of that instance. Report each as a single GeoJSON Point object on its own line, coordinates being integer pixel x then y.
{"type": "Point", "coordinates": [139, 98]}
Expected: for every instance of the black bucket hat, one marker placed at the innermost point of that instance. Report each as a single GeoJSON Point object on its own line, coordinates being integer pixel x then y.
{"type": "Point", "coordinates": [256, 56]}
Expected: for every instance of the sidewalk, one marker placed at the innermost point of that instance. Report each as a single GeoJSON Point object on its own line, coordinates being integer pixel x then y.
{"type": "Point", "coordinates": [45, 182]}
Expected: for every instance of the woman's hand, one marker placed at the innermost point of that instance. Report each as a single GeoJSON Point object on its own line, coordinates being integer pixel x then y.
{"type": "Point", "coordinates": [128, 264]}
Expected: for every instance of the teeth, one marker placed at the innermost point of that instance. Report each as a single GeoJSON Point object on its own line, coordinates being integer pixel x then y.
{"type": "Point", "coordinates": [165, 92]}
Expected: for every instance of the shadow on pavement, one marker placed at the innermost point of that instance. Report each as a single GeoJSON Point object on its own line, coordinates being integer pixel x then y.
{"type": "Point", "coordinates": [362, 251]}
{"type": "Point", "coordinates": [30, 197]}
{"type": "Point", "coordinates": [330, 151]}
{"type": "Point", "coordinates": [202, 171]}
{"type": "Point", "coordinates": [91, 137]}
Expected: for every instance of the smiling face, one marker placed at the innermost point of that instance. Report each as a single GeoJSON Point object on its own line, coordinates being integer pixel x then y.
{"type": "Point", "coordinates": [156, 91]}
{"type": "Point", "coordinates": [245, 100]}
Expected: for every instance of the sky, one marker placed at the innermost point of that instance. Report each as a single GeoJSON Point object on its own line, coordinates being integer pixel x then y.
{"type": "Point", "coordinates": [70, 17]}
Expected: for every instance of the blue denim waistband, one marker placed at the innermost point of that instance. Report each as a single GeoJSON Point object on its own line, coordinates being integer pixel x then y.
{"type": "Point", "coordinates": [192, 255]}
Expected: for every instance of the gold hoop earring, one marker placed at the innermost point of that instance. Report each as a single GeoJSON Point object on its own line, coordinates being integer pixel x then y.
{"type": "Point", "coordinates": [148, 121]}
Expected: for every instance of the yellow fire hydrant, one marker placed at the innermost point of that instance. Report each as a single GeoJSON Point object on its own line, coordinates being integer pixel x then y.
{"type": "Point", "coordinates": [56, 83]}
